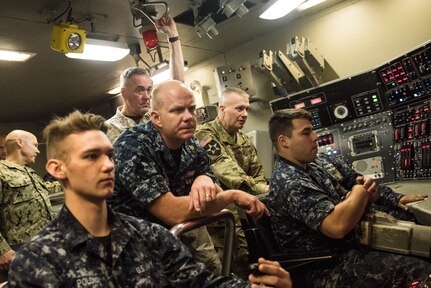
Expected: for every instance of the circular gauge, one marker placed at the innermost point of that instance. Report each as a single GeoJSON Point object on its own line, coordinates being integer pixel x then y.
{"type": "Point", "coordinates": [195, 85]}
{"type": "Point", "coordinates": [74, 41]}
{"type": "Point", "coordinates": [341, 112]}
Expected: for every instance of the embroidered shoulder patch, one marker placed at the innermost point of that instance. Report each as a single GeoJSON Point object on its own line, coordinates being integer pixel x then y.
{"type": "Point", "coordinates": [213, 148]}
{"type": "Point", "coordinates": [207, 139]}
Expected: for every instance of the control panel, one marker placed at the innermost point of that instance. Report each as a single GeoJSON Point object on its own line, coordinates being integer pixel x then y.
{"type": "Point", "coordinates": [366, 143]}
{"type": "Point", "coordinates": [379, 121]}
{"type": "Point", "coordinates": [408, 78]}
{"type": "Point", "coordinates": [206, 113]}
{"type": "Point", "coordinates": [412, 138]}
{"type": "Point", "coordinates": [338, 101]}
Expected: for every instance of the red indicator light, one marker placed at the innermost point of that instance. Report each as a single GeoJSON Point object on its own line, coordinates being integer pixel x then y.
{"type": "Point", "coordinates": [300, 105]}
{"type": "Point", "coordinates": [316, 100]}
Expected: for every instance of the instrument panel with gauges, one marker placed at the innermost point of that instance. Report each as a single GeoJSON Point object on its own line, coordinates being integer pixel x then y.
{"type": "Point", "coordinates": [379, 121]}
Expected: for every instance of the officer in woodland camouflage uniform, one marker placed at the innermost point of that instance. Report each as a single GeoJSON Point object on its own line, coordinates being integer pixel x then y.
{"type": "Point", "coordinates": [160, 163]}
{"type": "Point", "coordinates": [24, 204]}
{"type": "Point", "coordinates": [136, 85]}
{"type": "Point", "coordinates": [88, 245]}
{"type": "Point", "coordinates": [315, 203]}
{"type": "Point", "coordinates": [234, 162]}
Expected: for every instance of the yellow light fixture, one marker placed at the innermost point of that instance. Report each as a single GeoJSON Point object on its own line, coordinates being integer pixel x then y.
{"type": "Point", "coordinates": [16, 56]}
{"type": "Point", "coordinates": [101, 50]}
{"type": "Point", "coordinates": [67, 38]}
{"type": "Point", "coordinates": [280, 8]}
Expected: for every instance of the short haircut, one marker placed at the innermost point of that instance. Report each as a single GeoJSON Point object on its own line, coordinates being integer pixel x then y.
{"type": "Point", "coordinates": [281, 122]}
{"type": "Point", "coordinates": [223, 100]}
{"type": "Point", "coordinates": [132, 71]}
{"type": "Point", "coordinates": [61, 127]}
{"type": "Point", "coordinates": [157, 99]}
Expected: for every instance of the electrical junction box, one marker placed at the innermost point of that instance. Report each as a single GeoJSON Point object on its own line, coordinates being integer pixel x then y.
{"type": "Point", "coordinates": [246, 77]}
{"type": "Point", "coordinates": [67, 38]}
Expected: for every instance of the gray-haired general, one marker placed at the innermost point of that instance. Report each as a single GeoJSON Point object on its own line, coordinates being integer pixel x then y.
{"type": "Point", "coordinates": [136, 85]}
{"type": "Point", "coordinates": [235, 163]}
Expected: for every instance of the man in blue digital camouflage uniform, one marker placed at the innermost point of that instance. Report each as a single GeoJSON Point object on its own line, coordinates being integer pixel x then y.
{"type": "Point", "coordinates": [315, 203]}
{"type": "Point", "coordinates": [164, 175]}
{"type": "Point", "coordinates": [89, 245]}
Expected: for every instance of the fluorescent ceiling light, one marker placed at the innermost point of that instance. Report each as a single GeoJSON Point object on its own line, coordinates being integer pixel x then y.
{"type": "Point", "coordinates": [161, 72]}
{"type": "Point", "coordinates": [101, 50]}
{"type": "Point", "coordinates": [9, 55]}
{"type": "Point", "coordinates": [115, 91]}
{"type": "Point", "coordinates": [309, 4]}
{"type": "Point", "coordinates": [280, 9]}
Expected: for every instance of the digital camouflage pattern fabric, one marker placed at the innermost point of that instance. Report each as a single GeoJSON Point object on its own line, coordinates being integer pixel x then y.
{"type": "Point", "coordinates": [138, 254]}
{"type": "Point", "coordinates": [299, 200]}
{"type": "Point", "coordinates": [145, 170]}
{"type": "Point", "coordinates": [24, 201]}
{"type": "Point", "coordinates": [118, 123]}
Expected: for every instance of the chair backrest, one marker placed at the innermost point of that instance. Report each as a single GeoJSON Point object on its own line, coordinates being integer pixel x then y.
{"type": "Point", "coordinates": [259, 237]}
{"type": "Point", "coordinates": [261, 243]}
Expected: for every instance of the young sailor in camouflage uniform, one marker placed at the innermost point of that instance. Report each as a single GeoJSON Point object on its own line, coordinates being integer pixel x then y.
{"type": "Point", "coordinates": [89, 245]}
{"type": "Point", "coordinates": [235, 163]}
{"type": "Point", "coordinates": [136, 85]}
{"type": "Point", "coordinates": [161, 169]}
{"type": "Point", "coordinates": [315, 203]}
{"type": "Point", "coordinates": [24, 202]}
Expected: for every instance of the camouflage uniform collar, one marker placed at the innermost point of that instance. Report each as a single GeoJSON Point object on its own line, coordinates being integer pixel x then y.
{"type": "Point", "coordinates": [123, 119]}
{"type": "Point", "coordinates": [12, 165]}
{"type": "Point", "coordinates": [225, 137]}
{"type": "Point", "coordinates": [76, 234]}
{"type": "Point", "coordinates": [291, 163]}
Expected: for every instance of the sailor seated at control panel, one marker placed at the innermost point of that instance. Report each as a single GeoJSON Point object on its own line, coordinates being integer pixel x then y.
{"type": "Point", "coordinates": [316, 202]}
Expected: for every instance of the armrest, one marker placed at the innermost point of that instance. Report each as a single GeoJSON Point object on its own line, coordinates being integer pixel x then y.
{"type": "Point", "coordinates": [229, 219]}
{"type": "Point", "coordinates": [294, 259]}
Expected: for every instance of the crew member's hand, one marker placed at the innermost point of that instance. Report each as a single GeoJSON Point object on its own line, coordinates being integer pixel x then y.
{"type": "Point", "coordinates": [202, 193]}
{"type": "Point", "coordinates": [167, 25]}
{"type": "Point", "coordinates": [250, 204]}
{"type": "Point", "coordinates": [371, 186]}
{"type": "Point", "coordinates": [5, 259]}
{"type": "Point", "coordinates": [409, 199]}
{"type": "Point", "coordinates": [274, 275]}
{"type": "Point", "coordinates": [266, 189]}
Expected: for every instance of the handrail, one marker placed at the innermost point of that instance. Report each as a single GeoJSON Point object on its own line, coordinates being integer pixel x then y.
{"type": "Point", "coordinates": [229, 219]}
